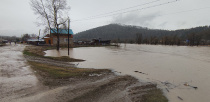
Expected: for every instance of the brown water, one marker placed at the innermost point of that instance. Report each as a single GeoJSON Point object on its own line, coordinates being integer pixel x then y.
{"type": "Point", "coordinates": [175, 65]}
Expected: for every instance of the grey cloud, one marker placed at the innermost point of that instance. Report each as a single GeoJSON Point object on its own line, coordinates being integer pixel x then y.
{"type": "Point", "coordinates": [162, 24]}
{"type": "Point", "coordinates": [182, 23]}
{"type": "Point", "coordinates": [135, 19]}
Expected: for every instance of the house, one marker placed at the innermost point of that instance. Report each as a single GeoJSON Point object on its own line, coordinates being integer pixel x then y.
{"type": "Point", "coordinates": [35, 41]}
{"type": "Point", "coordinates": [100, 42]}
{"type": "Point", "coordinates": [5, 41]}
{"type": "Point", "coordinates": [51, 38]}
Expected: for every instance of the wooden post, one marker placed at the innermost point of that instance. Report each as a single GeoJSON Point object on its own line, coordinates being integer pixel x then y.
{"type": "Point", "coordinates": [68, 34]}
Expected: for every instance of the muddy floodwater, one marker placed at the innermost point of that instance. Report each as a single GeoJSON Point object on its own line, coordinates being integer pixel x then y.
{"type": "Point", "coordinates": [182, 72]}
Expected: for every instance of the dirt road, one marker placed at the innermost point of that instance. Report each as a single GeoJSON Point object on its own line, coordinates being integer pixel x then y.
{"type": "Point", "coordinates": [16, 78]}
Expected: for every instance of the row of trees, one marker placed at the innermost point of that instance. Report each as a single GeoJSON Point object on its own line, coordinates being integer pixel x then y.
{"type": "Point", "coordinates": [192, 39]}
{"type": "Point", "coordinates": [25, 37]}
{"type": "Point", "coordinates": [165, 40]}
{"type": "Point", "coordinates": [11, 38]}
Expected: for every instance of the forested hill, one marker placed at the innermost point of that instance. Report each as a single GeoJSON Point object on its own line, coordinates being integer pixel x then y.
{"type": "Point", "coordinates": [125, 32]}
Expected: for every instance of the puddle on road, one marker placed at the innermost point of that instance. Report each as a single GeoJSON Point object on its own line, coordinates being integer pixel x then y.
{"type": "Point", "coordinates": [15, 75]}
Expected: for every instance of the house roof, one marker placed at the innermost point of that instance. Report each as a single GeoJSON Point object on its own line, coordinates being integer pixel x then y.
{"type": "Point", "coordinates": [33, 40]}
{"type": "Point", "coordinates": [61, 31]}
{"type": "Point", "coordinates": [45, 36]}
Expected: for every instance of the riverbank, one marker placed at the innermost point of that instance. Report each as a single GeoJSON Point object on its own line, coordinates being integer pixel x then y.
{"type": "Point", "coordinates": [86, 84]}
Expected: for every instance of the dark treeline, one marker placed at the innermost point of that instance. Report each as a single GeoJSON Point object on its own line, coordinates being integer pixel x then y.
{"type": "Point", "coordinates": [141, 35]}
{"type": "Point", "coordinates": [24, 37]}
{"type": "Point", "coordinates": [10, 38]}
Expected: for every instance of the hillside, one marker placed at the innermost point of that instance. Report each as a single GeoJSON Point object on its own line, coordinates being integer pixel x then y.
{"type": "Point", "coordinates": [125, 32]}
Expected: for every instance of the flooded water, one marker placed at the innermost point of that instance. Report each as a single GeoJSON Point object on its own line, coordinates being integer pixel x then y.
{"type": "Point", "coordinates": [169, 66]}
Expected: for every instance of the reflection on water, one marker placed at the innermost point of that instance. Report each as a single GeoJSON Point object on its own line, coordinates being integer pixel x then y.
{"type": "Point", "coordinates": [175, 65]}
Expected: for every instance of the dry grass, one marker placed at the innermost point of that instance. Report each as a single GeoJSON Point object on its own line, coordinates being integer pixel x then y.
{"type": "Point", "coordinates": [63, 72]}
{"type": "Point", "coordinates": [154, 95]}
{"type": "Point", "coordinates": [53, 76]}
{"type": "Point", "coordinates": [38, 51]}
{"type": "Point", "coordinates": [34, 50]}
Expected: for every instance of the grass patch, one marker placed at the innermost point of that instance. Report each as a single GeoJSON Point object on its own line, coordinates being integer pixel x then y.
{"type": "Point", "coordinates": [55, 72]}
{"type": "Point", "coordinates": [34, 51]}
{"type": "Point", "coordinates": [38, 51]}
{"type": "Point", "coordinates": [64, 59]}
{"type": "Point", "coordinates": [154, 95]}
{"type": "Point", "coordinates": [76, 46]}
{"type": "Point", "coordinates": [26, 52]}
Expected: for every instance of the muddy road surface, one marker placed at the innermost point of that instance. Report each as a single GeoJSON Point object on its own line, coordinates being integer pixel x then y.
{"type": "Point", "coordinates": [16, 77]}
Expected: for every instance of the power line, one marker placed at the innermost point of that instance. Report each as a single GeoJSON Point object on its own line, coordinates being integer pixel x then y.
{"type": "Point", "coordinates": [197, 9]}
{"type": "Point", "coordinates": [186, 11]}
{"type": "Point", "coordinates": [191, 10]}
{"type": "Point", "coordinates": [182, 11]}
{"type": "Point", "coordinates": [126, 11]}
{"type": "Point", "coordinates": [123, 9]}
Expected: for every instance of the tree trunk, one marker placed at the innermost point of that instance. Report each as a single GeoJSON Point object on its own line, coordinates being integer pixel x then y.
{"type": "Point", "coordinates": [58, 40]}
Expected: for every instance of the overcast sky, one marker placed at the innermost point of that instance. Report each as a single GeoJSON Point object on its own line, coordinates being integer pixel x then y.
{"type": "Point", "coordinates": [17, 17]}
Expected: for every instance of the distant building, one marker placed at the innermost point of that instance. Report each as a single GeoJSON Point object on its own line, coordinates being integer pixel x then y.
{"type": "Point", "coordinates": [3, 41]}
{"type": "Point", "coordinates": [100, 42]}
{"type": "Point", "coordinates": [93, 42]}
{"type": "Point", "coordinates": [51, 38]}
{"type": "Point", "coordinates": [35, 41]}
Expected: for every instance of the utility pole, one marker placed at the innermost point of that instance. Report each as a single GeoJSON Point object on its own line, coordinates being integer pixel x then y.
{"type": "Point", "coordinates": [38, 36]}
{"type": "Point", "coordinates": [68, 34]}
{"type": "Point", "coordinates": [58, 39]}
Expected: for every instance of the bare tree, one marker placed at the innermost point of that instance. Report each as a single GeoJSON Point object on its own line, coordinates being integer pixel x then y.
{"type": "Point", "coordinates": [52, 13]}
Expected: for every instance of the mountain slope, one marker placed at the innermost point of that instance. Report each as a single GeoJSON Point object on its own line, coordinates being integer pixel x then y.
{"type": "Point", "coordinates": [124, 32]}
